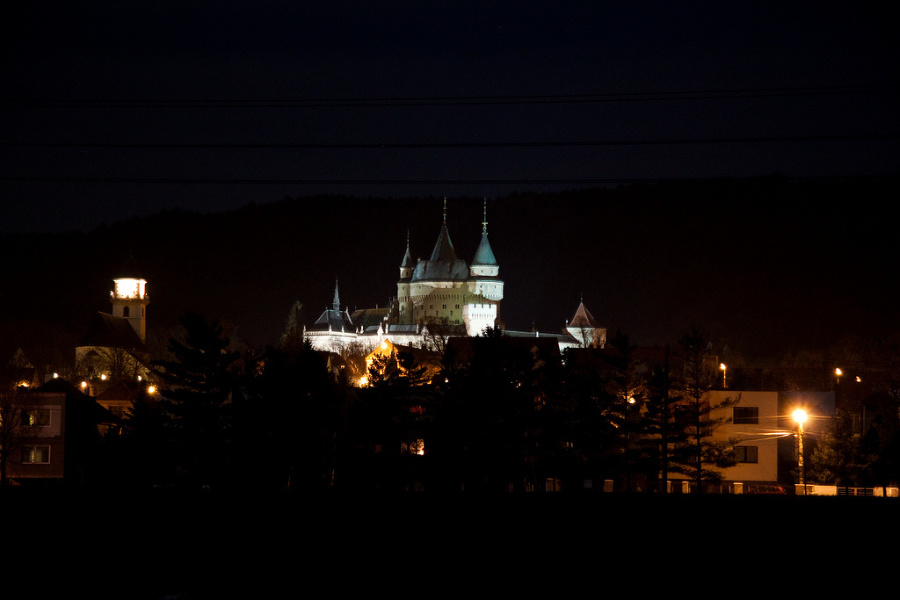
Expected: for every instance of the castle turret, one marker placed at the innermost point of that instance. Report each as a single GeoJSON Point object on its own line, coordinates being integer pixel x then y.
{"type": "Point", "coordinates": [129, 301]}
{"type": "Point", "coordinates": [403, 313]}
{"type": "Point", "coordinates": [485, 286]}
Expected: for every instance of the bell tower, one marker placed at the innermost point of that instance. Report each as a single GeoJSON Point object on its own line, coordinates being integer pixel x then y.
{"type": "Point", "coordinates": [129, 301]}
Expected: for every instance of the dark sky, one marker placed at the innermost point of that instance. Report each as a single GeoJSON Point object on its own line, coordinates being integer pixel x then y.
{"type": "Point", "coordinates": [115, 109]}
{"type": "Point", "coordinates": [120, 108]}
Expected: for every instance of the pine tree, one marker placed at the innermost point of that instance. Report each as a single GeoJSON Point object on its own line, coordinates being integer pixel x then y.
{"type": "Point", "coordinates": [199, 386]}
{"type": "Point", "coordinates": [695, 419]}
{"type": "Point", "coordinates": [837, 457]}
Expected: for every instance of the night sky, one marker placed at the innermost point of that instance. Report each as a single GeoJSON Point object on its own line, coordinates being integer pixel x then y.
{"type": "Point", "coordinates": [113, 110]}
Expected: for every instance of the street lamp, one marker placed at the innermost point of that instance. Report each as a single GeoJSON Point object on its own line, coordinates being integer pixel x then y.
{"type": "Point", "coordinates": [800, 417]}
{"type": "Point", "coordinates": [724, 374]}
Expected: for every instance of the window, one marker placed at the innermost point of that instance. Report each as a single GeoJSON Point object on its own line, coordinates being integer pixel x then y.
{"type": "Point", "coordinates": [36, 455]}
{"type": "Point", "coordinates": [746, 454]}
{"type": "Point", "coordinates": [36, 417]}
{"type": "Point", "coordinates": [125, 312]}
{"type": "Point", "coordinates": [746, 415]}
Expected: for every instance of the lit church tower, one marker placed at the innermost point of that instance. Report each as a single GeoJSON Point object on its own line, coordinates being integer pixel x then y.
{"type": "Point", "coordinates": [129, 301]}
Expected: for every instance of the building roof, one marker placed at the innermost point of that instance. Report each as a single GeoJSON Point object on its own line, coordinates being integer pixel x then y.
{"type": "Point", "coordinates": [443, 265]}
{"type": "Point", "coordinates": [108, 331]}
{"type": "Point", "coordinates": [334, 318]}
{"type": "Point", "coordinates": [369, 317]}
{"type": "Point", "coordinates": [583, 318]}
{"type": "Point", "coordinates": [407, 262]}
{"type": "Point", "coordinates": [462, 349]}
{"type": "Point", "coordinates": [484, 255]}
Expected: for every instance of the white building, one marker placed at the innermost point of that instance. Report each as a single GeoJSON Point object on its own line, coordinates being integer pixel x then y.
{"type": "Point", "coordinates": [766, 435]}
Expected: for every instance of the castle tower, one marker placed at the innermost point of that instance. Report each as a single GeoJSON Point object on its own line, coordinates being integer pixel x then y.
{"type": "Point", "coordinates": [584, 328]}
{"type": "Point", "coordinates": [485, 286]}
{"type": "Point", "coordinates": [437, 285]}
{"type": "Point", "coordinates": [129, 301]}
{"type": "Point", "coordinates": [404, 302]}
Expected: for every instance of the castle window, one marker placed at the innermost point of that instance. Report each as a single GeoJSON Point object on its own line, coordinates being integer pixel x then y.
{"type": "Point", "coordinates": [125, 312]}
{"type": "Point", "coordinates": [444, 307]}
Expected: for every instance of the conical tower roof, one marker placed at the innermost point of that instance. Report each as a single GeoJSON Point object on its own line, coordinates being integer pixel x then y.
{"type": "Point", "coordinates": [443, 263]}
{"type": "Point", "coordinates": [583, 318]}
{"type": "Point", "coordinates": [443, 248]}
{"type": "Point", "coordinates": [484, 255]}
{"type": "Point", "coordinates": [407, 262]}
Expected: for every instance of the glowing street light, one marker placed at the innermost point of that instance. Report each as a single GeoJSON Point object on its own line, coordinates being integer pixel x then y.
{"type": "Point", "coordinates": [724, 374]}
{"type": "Point", "coordinates": [837, 374]}
{"type": "Point", "coordinates": [800, 417]}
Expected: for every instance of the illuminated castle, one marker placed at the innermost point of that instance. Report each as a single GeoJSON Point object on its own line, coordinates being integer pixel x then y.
{"type": "Point", "coordinates": [443, 290]}
{"type": "Point", "coordinates": [438, 297]}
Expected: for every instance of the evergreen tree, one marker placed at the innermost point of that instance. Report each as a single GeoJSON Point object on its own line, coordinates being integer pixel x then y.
{"type": "Point", "coordinates": [290, 419]}
{"type": "Point", "coordinates": [200, 381]}
{"type": "Point", "coordinates": [837, 457]}
{"type": "Point", "coordinates": [627, 413]}
{"type": "Point", "coordinates": [695, 418]}
{"type": "Point", "coordinates": [292, 338]}
{"type": "Point", "coordinates": [145, 443]}
{"type": "Point", "coordinates": [881, 443]}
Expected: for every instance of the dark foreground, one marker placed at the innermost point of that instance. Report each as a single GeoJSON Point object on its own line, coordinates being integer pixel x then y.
{"type": "Point", "coordinates": [209, 545]}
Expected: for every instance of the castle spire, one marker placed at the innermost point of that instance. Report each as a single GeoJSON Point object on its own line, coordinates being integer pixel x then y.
{"type": "Point", "coordinates": [336, 303]}
{"type": "Point", "coordinates": [484, 255]}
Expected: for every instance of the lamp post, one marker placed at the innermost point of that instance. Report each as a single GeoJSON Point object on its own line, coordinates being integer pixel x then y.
{"type": "Point", "coordinates": [724, 374]}
{"type": "Point", "coordinates": [800, 417]}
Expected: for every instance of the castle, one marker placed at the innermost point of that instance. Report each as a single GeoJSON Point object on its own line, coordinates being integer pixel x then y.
{"type": "Point", "coordinates": [439, 297]}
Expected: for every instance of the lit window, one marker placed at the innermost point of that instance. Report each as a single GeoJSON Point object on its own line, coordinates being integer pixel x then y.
{"type": "Point", "coordinates": [746, 454]}
{"type": "Point", "coordinates": [36, 455]}
{"type": "Point", "coordinates": [36, 417]}
{"type": "Point", "coordinates": [746, 415]}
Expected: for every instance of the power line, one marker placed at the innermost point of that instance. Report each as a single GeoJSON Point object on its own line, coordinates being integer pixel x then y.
{"type": "Point", "coordinates": [499, 181]}
{"type": "Point", "coordinates": [457, 145]}
{"type": "Point", "coordinates": [468, 100]}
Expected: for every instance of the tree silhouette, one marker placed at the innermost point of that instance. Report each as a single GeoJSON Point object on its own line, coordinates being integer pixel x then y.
{"type": "Point", "coordinates": [199, 383]}
{"type": "Point", "coordinates": [695, 418]}
{"type": "Point", "coordinates": [837, 458]}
